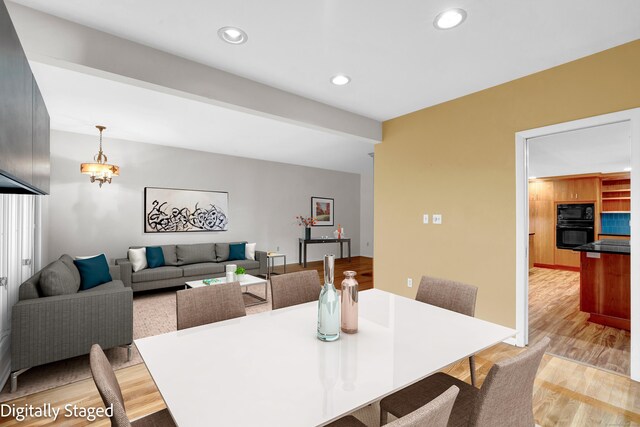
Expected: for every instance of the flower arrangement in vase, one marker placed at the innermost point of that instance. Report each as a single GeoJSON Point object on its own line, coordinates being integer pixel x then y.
{"type": "Point", "coordinates": [307, 222]}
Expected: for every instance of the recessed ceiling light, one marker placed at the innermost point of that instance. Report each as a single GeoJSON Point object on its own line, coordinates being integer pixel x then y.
{"type": "Point", "coordinates": [449, 18]}
{"type": "Point", "coordinates": [340, 80]}
{"type": "Point", "coordinates": [232, 35]}
{"type": "Point", "coordinates": [532, 177]}
{"type": "Point", "coordinates": [627, 169]}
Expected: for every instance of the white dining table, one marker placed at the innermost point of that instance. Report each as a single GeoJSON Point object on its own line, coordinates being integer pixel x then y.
{"type": "Point", "coordinates": [269, 369]}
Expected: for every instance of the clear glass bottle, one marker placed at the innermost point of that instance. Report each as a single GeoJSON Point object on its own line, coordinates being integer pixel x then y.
{"type": "Point", "coordinates": [329, 305]}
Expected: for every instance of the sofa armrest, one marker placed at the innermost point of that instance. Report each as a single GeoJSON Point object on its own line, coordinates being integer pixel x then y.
{"type": "Point", "coordinates": [261, 256]}
{"type": "Point", "coordinates": [126, 270]}
{"type": "Point", "coordinates": [48, 329]}
{"type": "Point", "coordinates": [114, 270]}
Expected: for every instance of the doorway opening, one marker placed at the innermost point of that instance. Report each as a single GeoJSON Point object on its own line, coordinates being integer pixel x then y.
{"type": "Point", "coordinates": [575, 183]}
{"type": "Point", "coordinates": [580, 193]}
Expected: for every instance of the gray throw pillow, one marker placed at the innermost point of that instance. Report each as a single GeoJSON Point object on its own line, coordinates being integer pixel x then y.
{"type": "Point", "coordinates": [68, 261]}
{"type": "Point", "coordinates": [57, 279]}
{"type": "Point", "coordinates": [191, 254]}
{"type": "Point", "coordinates": [222, 252]}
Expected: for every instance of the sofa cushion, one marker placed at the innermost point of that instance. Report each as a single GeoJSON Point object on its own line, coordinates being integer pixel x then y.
{"type": "Point", "coordinates": [57, 279]}
{"type": "Point", "coordinates": [202, 268]}
{"type": "Point", "coordinates": [199, 252]}
{"type": "Point", "coordinates": [237, 251]}
{"type": "Point", "coordinates": [114, 284]}
{"type": "Point", "coordinates": [155, 256]}
{"type": "Point", "coordinates": [150, 274]}
{"type": "Point", "coordinates": [222, 252]}
{"type": "Point", "coordinates": [93, 271]}
{"type": "Point", "coordinates": [169, 252]}
{"type": "Point", "coordinates": [138, 258]}
{"type": "Point", "coordinates": [246, 263]}
{"type": "Point", "coordinates": [68, 261]}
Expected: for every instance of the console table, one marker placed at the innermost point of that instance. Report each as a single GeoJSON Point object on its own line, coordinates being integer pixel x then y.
{"type": "Point", "coordinates": [302, 247]}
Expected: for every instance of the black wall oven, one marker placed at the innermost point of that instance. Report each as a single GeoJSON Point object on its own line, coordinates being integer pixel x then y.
{"type": "Point", "coordinates": [575, 225]}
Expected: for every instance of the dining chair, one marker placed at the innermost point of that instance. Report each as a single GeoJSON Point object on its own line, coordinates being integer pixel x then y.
{"type": "Point", "coordinates": [109, 389]}
{"type": "Point", "coordinates": [453, 296]}
{"type": "Point", "coordinates": [434, 414]}
{"type": "Point", "coordinates": [295, 288]}
{"type": "Point", "coordinates": [209, 304]}
{"type": "Point", "coordinates": [505, 399]}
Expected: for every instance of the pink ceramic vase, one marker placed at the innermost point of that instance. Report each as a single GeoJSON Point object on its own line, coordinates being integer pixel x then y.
{"type": "Point", "coordinates": [349, 304]}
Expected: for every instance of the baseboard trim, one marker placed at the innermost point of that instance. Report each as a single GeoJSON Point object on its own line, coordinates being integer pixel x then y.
{"type": "Point", "coordinates": [511, 341]}
{"type": "Point", "coordinates": [557, 267]}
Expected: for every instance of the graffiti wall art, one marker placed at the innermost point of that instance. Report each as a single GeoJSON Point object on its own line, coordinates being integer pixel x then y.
{"type": "Point", "coordinates": [169, 210]}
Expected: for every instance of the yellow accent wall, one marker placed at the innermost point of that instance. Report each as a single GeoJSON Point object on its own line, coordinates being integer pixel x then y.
{"type": "Point", "coordinates": [458, 159]}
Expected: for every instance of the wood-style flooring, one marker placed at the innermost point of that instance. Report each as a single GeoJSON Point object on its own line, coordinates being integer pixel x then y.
{"type": "Point", "coordinates": [554, 311]}
{"type": "Point", "coordinates": [566, 393]}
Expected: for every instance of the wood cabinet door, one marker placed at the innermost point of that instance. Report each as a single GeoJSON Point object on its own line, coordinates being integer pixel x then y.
{"type": "Point", "coordinates": [545, 191]}
{"type": "Point", "coordinates": [545, 232]}
{"type": "Point", "coordinates": [563, 190]}
{"type": "Point", "coordinates": [586, 189]}
{"type": "Point", "coordinates": [567, 258]}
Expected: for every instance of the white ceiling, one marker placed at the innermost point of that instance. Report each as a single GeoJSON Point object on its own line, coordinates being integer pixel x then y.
{"type": "Point", "coordinates": [591, 150]}
{"type": "Point", "coordinates": [398, 61]}
{"type": "Point", "coordinates": [77, 102]}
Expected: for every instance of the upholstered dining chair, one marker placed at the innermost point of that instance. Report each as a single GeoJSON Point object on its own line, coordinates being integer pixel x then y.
{"type": "Point", "coordinates": [209, 304]}
{"type": "Point", "coordinates": [295, 288]}
{"type": "Point", "coordinates": [109, 389]}
{"type": "Point", "coordinates": [434, 414]}
{"type": "Point", "coordinates": [505, 399]}
{"type": "Point", "coordinates": [450, 295]}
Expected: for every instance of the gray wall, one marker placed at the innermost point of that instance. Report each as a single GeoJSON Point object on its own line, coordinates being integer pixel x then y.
{"type": "Point", "coordinates": [80, 218]}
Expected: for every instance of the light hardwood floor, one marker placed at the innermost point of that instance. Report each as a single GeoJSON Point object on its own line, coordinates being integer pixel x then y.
{"type": "Point", "coordinates": [554, 311]}
{"type": "Point", "coordinates": [566, 393]}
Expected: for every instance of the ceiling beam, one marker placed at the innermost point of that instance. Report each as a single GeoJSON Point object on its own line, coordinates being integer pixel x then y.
{"type": "Point", "coordinates": [55, 41]}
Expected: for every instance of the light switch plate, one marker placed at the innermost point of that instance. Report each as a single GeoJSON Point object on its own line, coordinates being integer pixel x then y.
{"type": "Point", "coordinates": [410, 282]}
{"type": "Point", "coordinates": [425, 219]}
{"type": "Point", "coordinates": [437, 219]}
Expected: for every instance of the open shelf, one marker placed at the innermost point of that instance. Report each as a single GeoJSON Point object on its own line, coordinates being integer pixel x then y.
{"type": "Point", "coordinates": [616, 198]}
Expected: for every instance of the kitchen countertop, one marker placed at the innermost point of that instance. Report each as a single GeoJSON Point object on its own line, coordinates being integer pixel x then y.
{"type": "Point", "coordinates": [606, 246]}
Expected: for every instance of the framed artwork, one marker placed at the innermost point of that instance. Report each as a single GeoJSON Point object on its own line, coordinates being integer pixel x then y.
{"type": "Point", "coordinates": [322, 209]}
{"type": "Point", "coordinates": [169, 210]}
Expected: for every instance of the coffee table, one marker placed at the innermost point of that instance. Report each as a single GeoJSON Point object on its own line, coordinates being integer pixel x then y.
{"type": "Point", "coordinates": [247, 281]}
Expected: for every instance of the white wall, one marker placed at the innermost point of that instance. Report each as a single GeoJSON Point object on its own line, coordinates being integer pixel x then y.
{"type": "Point", "coordinates": [264, 197]}
{"type": "Point", "coordinates": [366, 213]}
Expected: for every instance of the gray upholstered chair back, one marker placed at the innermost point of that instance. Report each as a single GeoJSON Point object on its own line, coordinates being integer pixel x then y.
{"type": "Point", "coordinates": [448, 294]}
{"type": "Point", "coordinates": [209, 304]}
{"type": "Point", "coordinates": [108, 386]}
{"type": "Point", "coordinates": [434, 414]}
{"type": "Point", "coordinates": [295, 288]}
{"type": "Point", "coordinates": [506, 397]}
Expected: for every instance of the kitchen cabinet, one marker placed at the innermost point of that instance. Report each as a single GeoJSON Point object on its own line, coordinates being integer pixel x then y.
{"type": "Point", "coordinates": [605, 288]}
{"type": "Point", "coordinates": [24, 121]}
{"type": "Point", "coordinates": [531, 249]}
{"type": "Point", "coordinates": [567, 258]}
{"type": "Point", "coordinates": [573, 190]}
{"type": "Point", "coordinates": [15, 103]}
{"type": "Point", "coordinates": [542, 221]}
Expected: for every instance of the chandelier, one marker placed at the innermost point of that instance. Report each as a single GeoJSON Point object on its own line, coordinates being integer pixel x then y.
{"type": "Point", "coordinates": [100, 171]}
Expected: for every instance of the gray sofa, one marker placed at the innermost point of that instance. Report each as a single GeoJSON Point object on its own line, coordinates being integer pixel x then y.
{"type": "Point", "coordinates": [185, 263]}
{"type": "Point", "coordinates": [46, 329]}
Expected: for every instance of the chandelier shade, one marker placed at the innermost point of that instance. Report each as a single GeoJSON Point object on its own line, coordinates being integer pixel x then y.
{"type": "Point", "coordinates": [99, 170]}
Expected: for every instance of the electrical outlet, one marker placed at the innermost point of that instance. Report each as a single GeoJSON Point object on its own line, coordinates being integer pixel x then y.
{"type": "Point", "coordinates": [437, 219]}
{"type": "Point", "coordinates": [425, 219]}
{"type": "Point", "coordinates": [410, 282]}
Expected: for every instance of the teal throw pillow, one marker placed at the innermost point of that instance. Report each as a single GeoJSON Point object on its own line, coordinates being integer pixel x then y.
{"type": "Point", "coordinates": [237, 251]}
{"type": "Point", "coordinates": [93, 271]}
{"type": "Point", "coordinates": [155, 256]}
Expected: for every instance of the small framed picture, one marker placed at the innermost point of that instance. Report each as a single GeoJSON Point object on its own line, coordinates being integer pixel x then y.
{"type": "Point", "coordinates": [322, 209]}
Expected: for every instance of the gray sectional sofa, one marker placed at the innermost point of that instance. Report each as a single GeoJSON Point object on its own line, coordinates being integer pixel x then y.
{"type": "Point", "coordinates": [46, 329]}
{"type": "Point", "coordinates": [187, 262]}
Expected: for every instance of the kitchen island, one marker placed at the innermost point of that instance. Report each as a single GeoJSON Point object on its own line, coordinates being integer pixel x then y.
{"type": "Point", "coordinates": [605, 282]}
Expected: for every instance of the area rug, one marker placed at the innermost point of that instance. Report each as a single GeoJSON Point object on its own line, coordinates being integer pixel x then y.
{"type": "Point", "coordinates": [154, 313]}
